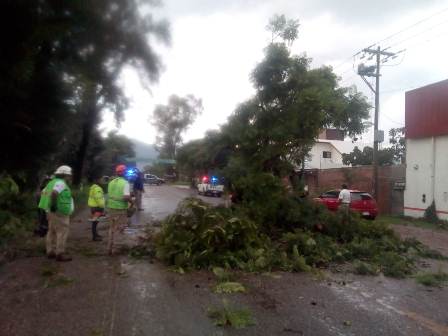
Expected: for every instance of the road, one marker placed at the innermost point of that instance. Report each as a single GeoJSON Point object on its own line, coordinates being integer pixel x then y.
{"type": "Point", "coordinates": [160, 201]}
{"type": "Point", "coordinates": [121, 296]}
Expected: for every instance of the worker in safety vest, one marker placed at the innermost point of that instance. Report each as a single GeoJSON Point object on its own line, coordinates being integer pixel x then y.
{"type": "Point", "coordinates": [117, 205]}
{"type": "Point", "coordinates": [96, 203]}
{"type": "Point", "coordinates": [57, 201]}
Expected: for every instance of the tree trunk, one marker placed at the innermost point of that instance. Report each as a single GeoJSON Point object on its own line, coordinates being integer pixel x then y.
{"type": "Point", "coordinates": [90, 120]}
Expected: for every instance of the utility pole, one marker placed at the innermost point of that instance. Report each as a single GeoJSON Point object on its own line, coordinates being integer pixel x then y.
{"type": "Point", "coordinates": [374, 71]}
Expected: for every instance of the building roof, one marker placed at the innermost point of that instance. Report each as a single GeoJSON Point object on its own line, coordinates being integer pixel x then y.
{"type": "Point", "coordinates": [427, 111]}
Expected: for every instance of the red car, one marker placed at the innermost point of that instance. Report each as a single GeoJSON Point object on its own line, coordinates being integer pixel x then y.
{"type": "Point", "coordinates": [361, 202]}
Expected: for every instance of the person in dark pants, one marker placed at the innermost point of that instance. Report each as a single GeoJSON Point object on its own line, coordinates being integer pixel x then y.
{"type": "Point", "coordinates": [96, 204]}
{"type": "Point", "coordinates": [138, 191]}
{"type": "Point", "coordinates": [42, 221]}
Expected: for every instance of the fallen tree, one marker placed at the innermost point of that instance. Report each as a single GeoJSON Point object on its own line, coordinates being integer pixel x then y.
{"type": "Point", "coordinates": [199, 236]}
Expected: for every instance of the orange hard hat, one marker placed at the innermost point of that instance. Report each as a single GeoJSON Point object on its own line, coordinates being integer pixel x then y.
{"type": "Point", "coordinates": [120, 169]}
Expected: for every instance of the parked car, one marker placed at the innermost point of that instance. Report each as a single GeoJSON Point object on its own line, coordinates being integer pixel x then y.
{"type": "Point", "coordinates": [361, 202]}
{"type": "Point", "coordinates": [153, 179]}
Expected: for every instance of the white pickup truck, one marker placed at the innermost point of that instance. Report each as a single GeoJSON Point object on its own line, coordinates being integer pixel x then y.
{"type": "Point", "coordinates": [210, 187]}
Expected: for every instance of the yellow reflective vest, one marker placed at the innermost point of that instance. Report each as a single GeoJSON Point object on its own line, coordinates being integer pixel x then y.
{"type": "Point", "coordinates": [96, 197]}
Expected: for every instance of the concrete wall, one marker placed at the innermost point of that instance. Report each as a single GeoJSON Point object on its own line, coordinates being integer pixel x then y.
{"type": "Point", "coordinates": [390, 200]}
{"type": "Point", "coordinates": [427, 176]}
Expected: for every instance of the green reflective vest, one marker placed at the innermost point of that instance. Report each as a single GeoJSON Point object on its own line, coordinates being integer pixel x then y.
{"type": "Point", "coordinates": [96, 197]}
{"type": "Point", "coordinates": [64, 201]}
{"type": "Point", "coordinates": [115, 190]}
{"type": "Point", "coordinates": [45, 196]}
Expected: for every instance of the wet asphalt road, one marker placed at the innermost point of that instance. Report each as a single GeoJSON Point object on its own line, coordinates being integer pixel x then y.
{"type": "Point", "coordinates": [160, 201]}
{"type": "Point", "coordinates": [120, 296]}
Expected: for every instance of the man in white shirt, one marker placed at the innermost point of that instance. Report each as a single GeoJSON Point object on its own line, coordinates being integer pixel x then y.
{"type": "Point", "coordinates": [344, 198]}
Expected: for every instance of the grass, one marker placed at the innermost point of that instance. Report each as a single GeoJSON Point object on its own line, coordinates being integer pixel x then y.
{"type": "Point", "coordinates": [229, 288]}
{"type": "Point", "coordinates": [432, 279]}
{"type": "Point", "coordinates": [87, 251]}
{"type": "Point", "coordinates": [223, 275]}
{"type": "Point", "coordinates": [364, 268]}
{"type": "Point", "coordinates": [431, 254]}
{"type": "Point", "coordinates": [96, 332]}
{"type": "Point", "coordinates": [49, 270]}
{"type": "Point", "coordinates": [231, 317]}
{"type": "Point", "coordinates": [394, 265]}
{"type": "Point", "coordinates": [402, 220]}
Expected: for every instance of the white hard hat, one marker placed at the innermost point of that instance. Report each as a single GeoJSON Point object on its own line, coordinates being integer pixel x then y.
{"type": "Point", "coordinates": [63, 170]}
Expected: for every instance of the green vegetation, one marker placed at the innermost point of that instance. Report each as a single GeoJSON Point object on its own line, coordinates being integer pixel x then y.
{"type": "Point", "coordinates": [52, 276]}
{"type": "Point", "coordinates": [432, 279]}
{"type": "Point", "coordinates": [49, 270]}
{"type": "Point", "coordinates": [61, 72]}
{"type": "Point", "coordinates": [418, 222]}
{"type": "Point", "coordinates": [198, 235]}
{"type": "Point", "coordinates": [431, 216]}
{"type": "Point", "coordinates": [227, 316]}
{"type": "Point", "coordinates": [172, 120]}
{"type": "Point", "coordinates": [273, 131]}
{"type": "Point", "coordinates": [364, 268]}
{"type": "Point", "coordinates": [229, 288]}
{"type": "Point", "coordinates": [386, 156]}
{"type": "Point", "coordinates": [223, 275]}
{"type": "Point", "coordinates": [17, 212]}
{"type": "Point", "coordinates": [270, 226]}
{"type": "Point", "coordinates": [140, 252]}
{"type": "Point", "coordinates": [96, 332]}
{"type": "Point", "coordinates": [86, 251]}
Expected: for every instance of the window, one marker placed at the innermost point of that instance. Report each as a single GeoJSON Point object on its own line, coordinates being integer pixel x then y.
{"type": "Point", "coordinates": [366, 197]}
{"type": "Point", "coordinates": [330, 194]}
{"type": "Point", "coordinates": [355, 196]}
{"type": "Point", "coordinates": [326, 154]}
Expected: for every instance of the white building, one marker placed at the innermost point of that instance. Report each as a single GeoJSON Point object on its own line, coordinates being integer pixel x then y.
{"type": "Point", "coordinates": [328, 149]}
{"type": "Point", "coordinates": [324, 155]}
{"type": "Point", "coordinates": [427, 150]}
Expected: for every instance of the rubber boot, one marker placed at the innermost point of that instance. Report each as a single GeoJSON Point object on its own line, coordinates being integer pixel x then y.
{"type": "Point", "coordinates": [95, 235]}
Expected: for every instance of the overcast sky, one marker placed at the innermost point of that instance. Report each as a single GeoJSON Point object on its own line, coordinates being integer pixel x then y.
{"type": "Point", "coordinates": [216, 44]}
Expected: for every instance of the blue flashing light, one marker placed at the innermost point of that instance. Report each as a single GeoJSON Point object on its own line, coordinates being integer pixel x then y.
{"type": "Point", "coordinates": [131, 173]}
{"type": "Point", "coordinates": [214, 179]}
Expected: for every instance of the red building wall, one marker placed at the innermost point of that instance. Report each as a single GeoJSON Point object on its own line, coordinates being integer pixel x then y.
{"type": "Point", "coordinates": [427, 111]}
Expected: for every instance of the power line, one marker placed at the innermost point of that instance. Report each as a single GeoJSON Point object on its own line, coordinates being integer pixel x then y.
{"type": "Point", "coordinates": [390, 36]}
{"type": "Point", "coordinates": [346, 80]}
{"type": "Point", "coordinates": [411, 26]}
{"type": "Point", "coordinates": [419, 33]}
{"type": "Point", "coordinates": [426, 41]}
{"type": "Point", "coordinates": [396, 64]}
{"type": "Point", "coordinates": [342, 63]}
{"type": "Point", "coordinates": [391, 120]}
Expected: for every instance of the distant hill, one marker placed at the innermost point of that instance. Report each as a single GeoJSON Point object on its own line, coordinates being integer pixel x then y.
{"type": "Point", "coordinates": [143, 151]}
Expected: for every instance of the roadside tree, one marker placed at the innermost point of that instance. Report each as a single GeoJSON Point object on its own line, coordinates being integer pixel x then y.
{"type": "Point", "coordinates": [172, 120]}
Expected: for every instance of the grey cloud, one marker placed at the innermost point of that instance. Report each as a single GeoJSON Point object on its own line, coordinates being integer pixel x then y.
{"type": "Point", "coordinates": [350, 11]}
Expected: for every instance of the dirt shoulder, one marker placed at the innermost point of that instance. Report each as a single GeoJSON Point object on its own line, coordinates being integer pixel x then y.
{"type": "Point", "coordinates": [435, 239]}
